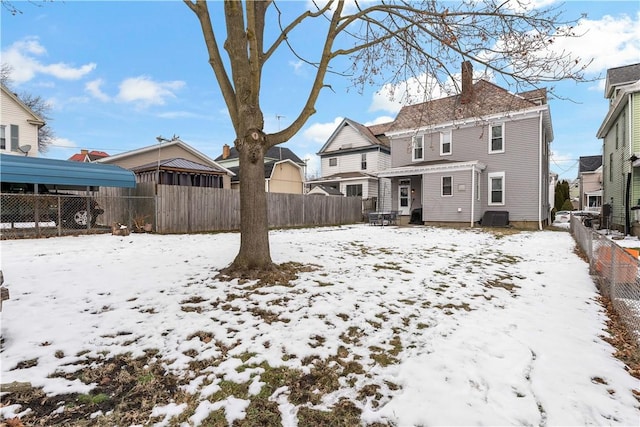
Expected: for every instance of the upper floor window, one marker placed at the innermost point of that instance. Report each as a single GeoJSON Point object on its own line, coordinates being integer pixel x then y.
{"type": "Point", "coordinates": [333, 161]}
{"type": "Point", "coordinates": [363, 161]}
{"type": "Point", "coordinates": [447, 185]}
{"type": "Point", "coordinates": [617, 136]}
{"type": "Point", "coordinates": [496, 138]}
{"type": "Point", "coordinates": [496, 188]}
{"type": "Point", "coordinates": [418, 148]}
{"type": "Point", "coordinates": [610, 166]}
{"type": "Point", "coordinates": [15, 139]}
{"type": "Point", "coordinates": [624, 126]}
{"type": "Point", "coordinates": [445, 143]}
{"type": "Point", "coordinates": [3, 137]}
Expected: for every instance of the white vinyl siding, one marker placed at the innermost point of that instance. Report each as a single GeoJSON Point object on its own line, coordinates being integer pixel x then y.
{"type": "Point", "coordinates": [18, 131]}
{"type": "Point", "coordinates": [352, 162]}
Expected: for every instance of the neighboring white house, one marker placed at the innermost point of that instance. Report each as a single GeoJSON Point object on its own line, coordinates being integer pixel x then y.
{"type": "Point", "coordinates": [350, 159]}
{"type": "Point", "coordinates": [18, 126]}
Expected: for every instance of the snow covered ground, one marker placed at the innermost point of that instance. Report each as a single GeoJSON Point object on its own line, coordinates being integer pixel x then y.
{"type": "Point", "coordinates": [477, 328]}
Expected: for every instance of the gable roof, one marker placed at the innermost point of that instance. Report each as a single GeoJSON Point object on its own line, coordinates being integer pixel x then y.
{"type": "Point", "coordinates": [37, 170]}
{"type": "Point", "coordinates": [154, 147]}
{"type": "Point", "coordinates": [88, 156]}
{"type": "Point", "coordinates": [374, 134]}
{"type": "Point", "coordinates": [589, 163]}
{"type": "Point", "coordinates": [621, 76]}
{"type": "Point", "coordinates": [489, 99]}
{"type": "Point", "coordinates": [275, 153]}
{"type": "Point", "coordinates": [179, 164]}
{"type": "Point", "coordinates": [35, 118]}
{"type": "Point", "coordinates": [329, 191]}
{"type": "Point", "coordinates": [268, 168]}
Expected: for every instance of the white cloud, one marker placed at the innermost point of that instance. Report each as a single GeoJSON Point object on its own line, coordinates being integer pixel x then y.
{"type": "Point", "coordinates": [23, 57]}
{"type": "Point", "coordinates": [298, 67]}
{"type": "Point", "coordinates": [320, 132]}
{"type": "Point", "coordinates": [391, 98]}
{"type": "Point", "coordinates": [144, 92]}
{"type": "Point", "coordinates": [313, 165]}
{"type": "Point", "coordinates": [610, 41]}
{"type": "Point", "coordinates": [380, 120]}
{"type": "Point", "coordinates": [94, 89]}
{"type": "Point", "coordinates": [63, 143]}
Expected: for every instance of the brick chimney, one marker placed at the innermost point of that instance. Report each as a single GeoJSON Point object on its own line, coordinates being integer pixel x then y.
{"type": "Point", "coordinates": [467, 83]}
{"type": "Point", "coordinates": [226, 151]}
{"type": "Point", "coordinates": [84, 152]}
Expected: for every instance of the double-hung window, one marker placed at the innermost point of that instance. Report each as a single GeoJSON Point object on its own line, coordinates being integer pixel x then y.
{"type": "Point", "coordinates": [354, 190]}
{"type": "Point", "coordinates": [496, 138]}
{"type": "Point", "coordinates": [333, 161]}
{"type": "Point", "coordinates": [418, 148]}
{"type": "Point", "coordinates": [363, 161]}
{"type": "Point", "coordinates": [3, 137]}
{"type": "Point", "coordinates": [447, 186]}
{"type": "Point", "coordinates": [15, 138]}
{"type": "Point", "coordinates": [445, 143]}
{"type": "Point", "coordinates": [496, 188]}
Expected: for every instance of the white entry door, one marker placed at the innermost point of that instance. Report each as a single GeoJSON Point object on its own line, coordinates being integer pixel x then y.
{"type": "Point", "coordinates": [404, 197]}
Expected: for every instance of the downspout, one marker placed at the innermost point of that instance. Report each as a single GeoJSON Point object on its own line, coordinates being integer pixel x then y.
{"type": "Point", "coordinates": [473, 194]}
{"type": "Point", "coordinates": [540, 142]}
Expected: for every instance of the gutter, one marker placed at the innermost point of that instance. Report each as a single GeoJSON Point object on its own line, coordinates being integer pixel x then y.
{"type": "Point", "coordinates": [540, 142]}
{"type": "Point", "coordinates": [473, 195]}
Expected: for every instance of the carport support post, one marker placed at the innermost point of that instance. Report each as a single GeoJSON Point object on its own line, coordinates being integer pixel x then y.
{"type": "Point", "coordinates": [36, 205]}
{"type": "Point", "coordinates": [88, 201]}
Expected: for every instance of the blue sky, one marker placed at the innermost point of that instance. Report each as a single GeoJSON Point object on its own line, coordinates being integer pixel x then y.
{"type": "Point", "coordinates": [118, 74]}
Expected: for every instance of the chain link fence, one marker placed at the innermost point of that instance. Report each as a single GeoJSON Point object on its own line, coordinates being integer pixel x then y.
{"type": "Point", "coordinates": [615, 270]}
{"type": "Point", "coordinates": [45, 215]}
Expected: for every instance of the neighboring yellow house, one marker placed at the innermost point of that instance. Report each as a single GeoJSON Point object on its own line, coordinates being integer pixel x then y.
{"type": "Point", "coordinates": [19, 126]}
{"type": "Point", "coordinates": [283, 170]}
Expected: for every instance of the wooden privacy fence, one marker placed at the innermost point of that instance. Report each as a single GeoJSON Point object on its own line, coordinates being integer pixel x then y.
{"type": "Point", "coordinates": [177, 209]}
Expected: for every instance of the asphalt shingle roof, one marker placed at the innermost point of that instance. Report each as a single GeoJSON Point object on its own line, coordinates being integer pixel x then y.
{"type": "Point", "coordinates": [487, 99]}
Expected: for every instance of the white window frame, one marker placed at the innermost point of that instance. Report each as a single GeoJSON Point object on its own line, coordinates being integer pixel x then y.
{"type": "Point", "coordinates": [417, 143]}
{"type": "Point", "coordinates": [360, 187]}
{"type": "Point", "coordinates": [333, 160]}
{"type": "Point", "coordinates": [450, 186]}
{"type": "Point", "coordinates": [490, 177]}
{"type": "Point", "coordinates": [443, 137]}
{"type": "Point", "coordinates": [491, 127]}
{"type": "Point", "coordinates": [3, 137]}
{"type": "Point", "coordinates": [363, 161]}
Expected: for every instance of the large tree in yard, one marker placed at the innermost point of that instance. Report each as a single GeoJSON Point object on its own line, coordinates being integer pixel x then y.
{"type": "Point", "coordinates": [386, 41]}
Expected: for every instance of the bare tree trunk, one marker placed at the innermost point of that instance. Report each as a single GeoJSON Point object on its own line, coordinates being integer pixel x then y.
{"type": "Point", "coordinates": [254, 251]}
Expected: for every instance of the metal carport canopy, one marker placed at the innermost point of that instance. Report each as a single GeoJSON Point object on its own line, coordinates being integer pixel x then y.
{"type": "Point", "coordinates": [35, 170]}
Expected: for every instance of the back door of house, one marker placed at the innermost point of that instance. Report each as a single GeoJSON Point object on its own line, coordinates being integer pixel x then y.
{"type": "Point", "coordinates": [404, 197]}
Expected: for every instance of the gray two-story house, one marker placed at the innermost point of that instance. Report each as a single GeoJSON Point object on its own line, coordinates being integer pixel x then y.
{"type": "Point", "coordinates": [486, 149]}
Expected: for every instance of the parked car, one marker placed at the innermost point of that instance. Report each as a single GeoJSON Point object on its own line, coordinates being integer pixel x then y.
{"type": "Point", "coordinates": [20, 204]}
